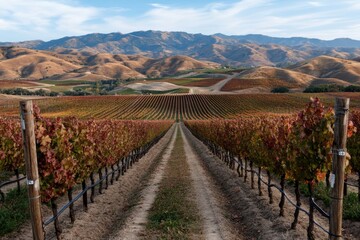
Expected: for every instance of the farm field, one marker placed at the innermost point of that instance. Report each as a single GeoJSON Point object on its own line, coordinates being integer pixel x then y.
{"type": "Point", "coordinates": [4, 84]}
{"type": "Point", "coordinates": [192, 82]}
{"type": "Point", "coordinates": [156, 178]}
{"type": "Point", "coordinates": [175, 107]}
{"type": "Point", "coordinates": [236, 84]}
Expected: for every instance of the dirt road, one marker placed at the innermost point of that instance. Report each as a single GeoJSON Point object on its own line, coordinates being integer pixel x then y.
{"type": "Point", "coordinates": [206, 196]}
{"type": "Point", "coordinates": [214, 89]}
{"type": "Point", "coordinates": [136, 222]}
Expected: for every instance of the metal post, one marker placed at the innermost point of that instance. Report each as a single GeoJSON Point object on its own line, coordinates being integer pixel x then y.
{"type": "Point", "coordinates": [33, 185]}
{"type": "Point", "coordinates": [338, 166]}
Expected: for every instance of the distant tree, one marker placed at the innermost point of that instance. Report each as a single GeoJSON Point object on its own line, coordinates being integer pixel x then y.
{"type": "Point", "coordinates": [324, 88]}
{"type": "Point", "coordinates": [280, 90]}
{"type": "Point", "coordinates": [352, 88]}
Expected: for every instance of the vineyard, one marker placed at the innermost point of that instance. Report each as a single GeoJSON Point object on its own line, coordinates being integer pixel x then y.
{"type": "Point", "coordinates": [290, 148]}
{"type": "Point", "coordinates": [173, 107]}
{"type": "Point", "coordinates": [80, 145]}
{"type": "Point", "coordinates": [246, 83]}
{"type": "Point", "coordinates": [71, 151]}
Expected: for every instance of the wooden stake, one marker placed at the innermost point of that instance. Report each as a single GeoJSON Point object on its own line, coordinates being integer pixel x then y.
{"type": "Point", "coordinates": [29, 144]}
{"type": "Point", "coordinates": [338, 166]}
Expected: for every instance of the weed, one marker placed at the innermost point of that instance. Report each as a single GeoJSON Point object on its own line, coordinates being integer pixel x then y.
{"type": "Point", "coordinates": [14, 211]}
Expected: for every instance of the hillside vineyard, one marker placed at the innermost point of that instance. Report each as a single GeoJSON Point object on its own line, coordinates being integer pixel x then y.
{"type": "Point", "coordinates": [173, 107]}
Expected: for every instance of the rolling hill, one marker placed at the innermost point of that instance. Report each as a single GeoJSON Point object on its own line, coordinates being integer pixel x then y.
{"type": "Point", "coordinates": [22, 63]}
{"type": "Point", "coordinates": [330, 67]}
{"type": "Point", "coordinates": [264, 79]}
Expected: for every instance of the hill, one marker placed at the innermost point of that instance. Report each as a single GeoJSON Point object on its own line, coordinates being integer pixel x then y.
{"type": "Point", "coordinates": [330, 67]}
{"type": "Point", "coordinates": [264, 79]}
{"type": "Point", "coordinates": [247, 50]}
{"type": "Point", "coordinates": [22, 63]}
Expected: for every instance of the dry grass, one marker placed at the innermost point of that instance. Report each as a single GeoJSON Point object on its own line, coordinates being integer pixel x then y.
{"type": "Point", "coordinates": [174, 214]}
{"type": "Point", "coordinates": [21, 63]}
{"type": "Point", "coordinates": [245, 83]}
{"type": "Point", "coordinates": [193, 82]}
{"type": "Point", "coordinates": [331, 67]}
{"type": "Point", "coordinates": [16, 84]}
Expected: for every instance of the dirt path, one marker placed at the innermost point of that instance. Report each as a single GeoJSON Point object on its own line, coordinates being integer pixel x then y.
{"type": "Point", "coordinates": [252, 213]}
{"type": "Point", "coordinates": [213, 216]}
{"type": "Point", "coordinates": [136, 222]}
{"type": "Point", "coordinates": [214, 89]}
{"type": "Point", "coordinates": [208, 198]}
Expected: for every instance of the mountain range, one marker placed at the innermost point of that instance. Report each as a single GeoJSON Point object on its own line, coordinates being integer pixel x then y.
{"type": "Point", "coordinates": [247, 50]}
{"type": "Point", "coordinates": [291, 62]}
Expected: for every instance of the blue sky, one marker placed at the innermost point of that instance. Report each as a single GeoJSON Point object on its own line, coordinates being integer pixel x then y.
{"type": "Point", "coordinates": [22, 20]}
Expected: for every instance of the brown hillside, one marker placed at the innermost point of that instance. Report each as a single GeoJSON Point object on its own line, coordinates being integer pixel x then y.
{"type": "Point", "coordinates": [331, 67]}
{"type": "Point", "coordinates": [286, 76]}
{"type": "Point", "coordinates": [172, 65]}
{"type": "Point", "coordinates": [267, 78]}
{"type": "Point", "coordinates": [113, 71]}
{"type": "Point", "coordinates": [30, 64]}
{"type": "Point", "coordinates": [21, 63]}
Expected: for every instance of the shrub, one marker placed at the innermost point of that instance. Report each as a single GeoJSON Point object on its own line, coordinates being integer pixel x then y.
{"type": "Point", "coordinates": [280, 90]}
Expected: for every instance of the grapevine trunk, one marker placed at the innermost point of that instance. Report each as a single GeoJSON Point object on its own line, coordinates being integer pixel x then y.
{"type": "Point", "coordinates": [298, 204]}
{"type": "Point", "coordinates": [282, 201]}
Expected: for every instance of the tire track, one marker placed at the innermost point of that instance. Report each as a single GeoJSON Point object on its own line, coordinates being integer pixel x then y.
{"type": "Point", "coordinates": [208, 198]}
{"type": "Point", "coordinates": [137, 220]}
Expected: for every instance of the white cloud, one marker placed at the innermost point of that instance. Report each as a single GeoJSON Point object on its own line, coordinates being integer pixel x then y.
{"type": "Point", "coordinates": [47, 19]}
{"type": "Point", "coordinates": [316, 4]}
{"type": "Point", "coordinates": [352, 4]}
{"type": "Point", "coordinates": [157, 5]}
{"type": "Point", "coordinates": [6, 25]}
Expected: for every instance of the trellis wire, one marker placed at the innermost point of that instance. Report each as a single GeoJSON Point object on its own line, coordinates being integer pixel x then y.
{"type": "Point", "coordinates": [321, 211]}
{"type": "Point", "coordinates": [145, 149]}
{"type": "Point", "coordinates": [2, 194]}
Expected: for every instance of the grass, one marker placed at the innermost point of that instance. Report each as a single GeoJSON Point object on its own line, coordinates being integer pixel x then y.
{"type": "Point", "coordinates": [5, 175]}
{"type": "Point", "coordinates": [14, 211]}
{"type": "Point", "coordinates": [223, 70]}
{"type": "Point", "coordinates": [177, 90]}
{"type": "Point", "coordinates": [201, 75]}
{"type": "Point", "coordinates": [127, 91]}
{"type": "Point", "coordinates": [66, 85]}
{"type": "Point", "coordinates": [197, 81]}
{"type": "Point", "coordinates": [173, 214]}
{"type": "Point", "coordinates": [351, 208]}
{"type": "Point", "coordinates": [66, 82]}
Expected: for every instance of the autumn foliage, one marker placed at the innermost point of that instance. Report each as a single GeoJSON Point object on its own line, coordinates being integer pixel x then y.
{"type": "Point", "coordinates": [299, 145]}
{"type": "Point", "coordinates": [69, 150]}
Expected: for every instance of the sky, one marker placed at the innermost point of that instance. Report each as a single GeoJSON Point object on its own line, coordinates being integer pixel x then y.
{"type": "Point", "coordinates": [22, 20]}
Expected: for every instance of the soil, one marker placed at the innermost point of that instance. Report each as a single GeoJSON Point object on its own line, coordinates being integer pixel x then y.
{"type": "Point", "coordinates": [209, 198]}
{"type": "Point", "coordinates": [137, 220]}
{"type": "Point", "coordinates": [165, 86]}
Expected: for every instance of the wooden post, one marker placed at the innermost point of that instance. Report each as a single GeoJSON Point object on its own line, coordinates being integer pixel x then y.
{"type": "Point", "coordinates": [338, 166]}
{"type": "Point", "coordinates": [32, 175]}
